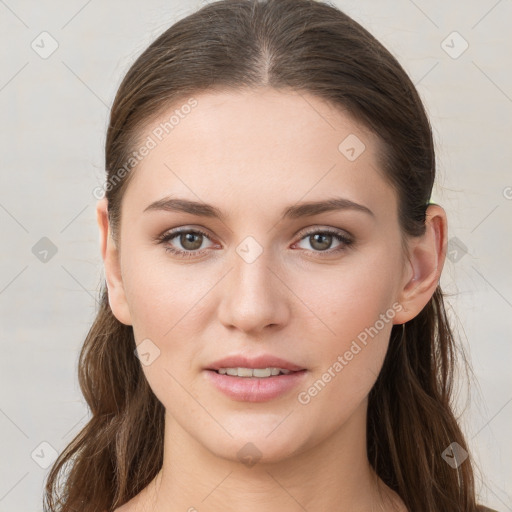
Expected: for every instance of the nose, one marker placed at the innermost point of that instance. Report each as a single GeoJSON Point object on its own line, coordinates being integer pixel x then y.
{"type": "Point", "coordinates": [254, 296]}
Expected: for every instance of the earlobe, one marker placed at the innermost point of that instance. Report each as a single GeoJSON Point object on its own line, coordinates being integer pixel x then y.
{"type": "Point", "coordinates": [111, 260]}
{"type": "Point", "coordinates": [426, 259]}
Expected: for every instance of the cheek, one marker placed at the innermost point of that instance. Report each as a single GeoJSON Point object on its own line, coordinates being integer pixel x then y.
{"type": "Point", "coordinates": [346, 300]}
{"type": "Point", "coordinates": [162, 297]}
{"type": "Point", "coordinates": [353, 311]}
{"type": "Point", "coordinates": [169, 305]}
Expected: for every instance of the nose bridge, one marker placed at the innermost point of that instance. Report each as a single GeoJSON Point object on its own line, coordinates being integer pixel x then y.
{"type": "Point", "coordinates": [254, 297]}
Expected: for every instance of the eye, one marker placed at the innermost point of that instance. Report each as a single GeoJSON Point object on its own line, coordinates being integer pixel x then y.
{"type": "Point", "coordinates": [190, 239]}
{"type": "Point", "coordinates": [321, 240]}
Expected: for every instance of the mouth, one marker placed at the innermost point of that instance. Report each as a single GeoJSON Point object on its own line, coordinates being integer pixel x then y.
{"type": "Point", "coordinates": [254, 379]}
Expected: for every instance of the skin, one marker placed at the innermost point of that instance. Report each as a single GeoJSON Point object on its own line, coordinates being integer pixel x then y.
{"type": "Point", "coordinates": [251, 154]}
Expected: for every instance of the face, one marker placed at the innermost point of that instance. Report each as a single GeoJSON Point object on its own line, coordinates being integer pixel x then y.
{"type": "Point", "coordinates": [318, 288]}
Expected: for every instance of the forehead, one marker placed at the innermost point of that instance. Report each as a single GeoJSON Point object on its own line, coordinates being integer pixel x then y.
{"type": "Point", "coordinates": [247, 146]}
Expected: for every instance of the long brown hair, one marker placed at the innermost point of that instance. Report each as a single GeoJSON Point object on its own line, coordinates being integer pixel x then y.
{"type": "Point", "coordinates": [300, 45]}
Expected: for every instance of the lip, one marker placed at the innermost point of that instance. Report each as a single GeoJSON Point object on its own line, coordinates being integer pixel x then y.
{"type": "Point", "coordinates": [255, 389]}
{"type": "Point", "coordinates": [261, 361]}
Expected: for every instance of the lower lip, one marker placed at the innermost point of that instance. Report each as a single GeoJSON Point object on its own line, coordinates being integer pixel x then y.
{"type": "Point", "coordinates": [255, 389]}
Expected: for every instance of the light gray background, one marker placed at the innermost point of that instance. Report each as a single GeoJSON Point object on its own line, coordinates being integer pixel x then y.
{"type": "Point", "coordinates": [54, 118]}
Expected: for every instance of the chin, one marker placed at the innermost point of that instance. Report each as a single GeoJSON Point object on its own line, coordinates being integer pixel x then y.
{"type": "Point", "coordinates": [261, 443]}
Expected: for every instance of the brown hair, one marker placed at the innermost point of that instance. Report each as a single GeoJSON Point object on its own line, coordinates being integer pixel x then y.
{"type": "Point", "coordinates": [300, 45]}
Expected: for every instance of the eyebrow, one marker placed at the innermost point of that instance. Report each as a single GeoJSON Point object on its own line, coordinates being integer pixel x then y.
{"type": "Point", "coordinates": [296, 211]}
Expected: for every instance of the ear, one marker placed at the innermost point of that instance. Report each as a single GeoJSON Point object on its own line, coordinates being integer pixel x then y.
{"type": "Point", "coordinates": [111, 259]}
{"type": "Point", "coordinates": [426, 258]}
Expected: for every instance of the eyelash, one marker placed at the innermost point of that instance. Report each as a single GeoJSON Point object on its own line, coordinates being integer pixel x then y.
{"type": "Point", "coordinates": [170, 235]}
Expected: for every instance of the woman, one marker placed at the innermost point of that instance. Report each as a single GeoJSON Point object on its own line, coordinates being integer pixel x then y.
{"type": "Point", "coordinates": [272, 334]}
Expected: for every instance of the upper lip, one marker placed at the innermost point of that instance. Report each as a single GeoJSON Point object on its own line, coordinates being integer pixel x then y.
{"type": "Point", "coordinates": [261, 361]}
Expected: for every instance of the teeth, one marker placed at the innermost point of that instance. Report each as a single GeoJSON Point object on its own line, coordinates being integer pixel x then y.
{"type": "Point", "coordinates": [252, 372]}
